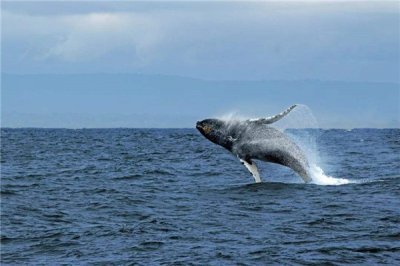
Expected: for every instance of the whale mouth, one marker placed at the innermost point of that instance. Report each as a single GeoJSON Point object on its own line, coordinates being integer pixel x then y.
{"type": "Point", "coordinates": [198, 126]}
{"type": "Point", "coordinates": [204, 129]}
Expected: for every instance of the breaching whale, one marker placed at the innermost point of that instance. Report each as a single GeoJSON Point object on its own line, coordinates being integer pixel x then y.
{"type": "Point", "coordinates": [254, 139]}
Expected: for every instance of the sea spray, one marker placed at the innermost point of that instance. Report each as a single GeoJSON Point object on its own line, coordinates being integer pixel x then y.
{"type": "Point", "coordinates": [302, 127]}
{"type": "Point", "coordinates": [320, 178]}
{"type": "Point", "coordinates": [232, 116]}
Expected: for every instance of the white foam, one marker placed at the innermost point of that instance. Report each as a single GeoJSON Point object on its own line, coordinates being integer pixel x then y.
{"type": "Point", "coordinates": [302, 117]}
{"type": "Point", "coordinates": [320, 178]}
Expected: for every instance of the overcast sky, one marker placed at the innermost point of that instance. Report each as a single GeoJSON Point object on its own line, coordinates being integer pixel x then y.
{"type": "Point", "coordinates": [214, 41]}
{"type": "Point", "coordinates": [357, 41]}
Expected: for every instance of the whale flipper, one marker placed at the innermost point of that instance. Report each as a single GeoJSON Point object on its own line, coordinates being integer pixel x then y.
{"type": "Point", "coordinates": [251, 166]}
{"type": "Point", "coordinates": [272, 119]}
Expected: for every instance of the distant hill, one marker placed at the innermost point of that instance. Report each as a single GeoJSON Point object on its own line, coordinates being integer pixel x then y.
{"type": "Point", "coordinates": [134, 100]}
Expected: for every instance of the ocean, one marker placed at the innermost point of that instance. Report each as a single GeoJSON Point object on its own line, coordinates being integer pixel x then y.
{"type": "Point", "coordinates": [171, 197]}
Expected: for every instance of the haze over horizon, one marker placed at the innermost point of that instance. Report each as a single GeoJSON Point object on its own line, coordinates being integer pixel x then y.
{"type": "Point", "coordinates": [256, 58]}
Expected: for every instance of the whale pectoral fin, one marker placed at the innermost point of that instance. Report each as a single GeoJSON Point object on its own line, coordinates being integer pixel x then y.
{"type": "Point", "coordinates": [272, 119]}
{"type": "Point", "coordinates": [251, 166]}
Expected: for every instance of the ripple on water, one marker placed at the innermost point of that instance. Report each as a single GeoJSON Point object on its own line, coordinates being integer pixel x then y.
{"type": "Point", "coordinates": [127, 196]}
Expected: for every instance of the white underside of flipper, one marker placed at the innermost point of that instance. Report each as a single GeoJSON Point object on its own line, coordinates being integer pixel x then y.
{"type": "Point", "coordinates": [253, 170]}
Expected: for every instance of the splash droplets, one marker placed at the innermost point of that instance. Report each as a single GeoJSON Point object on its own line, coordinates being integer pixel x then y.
{"type": "Point", "coordinates": [301, 126]}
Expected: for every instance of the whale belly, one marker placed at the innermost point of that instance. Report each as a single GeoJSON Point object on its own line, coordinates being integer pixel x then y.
{"type": "Point", "coordinates": [280, 150]}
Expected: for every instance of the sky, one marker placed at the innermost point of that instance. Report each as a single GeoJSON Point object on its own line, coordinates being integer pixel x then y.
{"type": "Point", "coordinates": [338, 41]}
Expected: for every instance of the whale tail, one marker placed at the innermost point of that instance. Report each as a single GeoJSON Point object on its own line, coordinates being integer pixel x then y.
{"type": "Point", "coordinates": [273, 119]}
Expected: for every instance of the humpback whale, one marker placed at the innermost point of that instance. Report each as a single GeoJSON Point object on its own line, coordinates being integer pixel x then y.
{"type": "Point", "coordinates": [255, 139]}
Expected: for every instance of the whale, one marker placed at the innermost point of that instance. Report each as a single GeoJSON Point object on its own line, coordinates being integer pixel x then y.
{"type": "Point", "coordinates": [256, 139]}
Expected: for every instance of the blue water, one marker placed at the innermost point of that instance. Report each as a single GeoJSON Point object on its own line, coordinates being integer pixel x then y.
{"type": "Point", "coordinates": [158, 196]}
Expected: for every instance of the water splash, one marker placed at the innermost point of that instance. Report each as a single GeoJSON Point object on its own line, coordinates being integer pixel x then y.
{"type": "Point", "coordinates": [302, 118]}
{"type": "Point", "coordinates": [232, 116]}
{"type": "Point", "coordinates": [320, 178]}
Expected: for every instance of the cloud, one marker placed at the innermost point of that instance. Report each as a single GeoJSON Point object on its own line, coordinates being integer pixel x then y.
{"type": "Point", "coordinates": [350, 41]}
{"type": "Point", "coordinates": [82, 37]}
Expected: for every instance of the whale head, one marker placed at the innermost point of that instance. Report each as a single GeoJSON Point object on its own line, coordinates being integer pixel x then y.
{"type": "Point", "coordinates": [215, 131]}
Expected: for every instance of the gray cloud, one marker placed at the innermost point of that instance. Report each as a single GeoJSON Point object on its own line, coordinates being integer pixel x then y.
{"type": "Point", "coordinates": [344, 41]}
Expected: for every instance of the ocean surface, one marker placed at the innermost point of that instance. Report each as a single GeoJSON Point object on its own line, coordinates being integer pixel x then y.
{"type": "Point", "coordinates": [169, 196]}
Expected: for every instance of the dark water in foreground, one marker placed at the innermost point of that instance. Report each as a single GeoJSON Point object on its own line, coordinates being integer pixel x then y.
{"type": "Point", "coordinates": [149, 197]}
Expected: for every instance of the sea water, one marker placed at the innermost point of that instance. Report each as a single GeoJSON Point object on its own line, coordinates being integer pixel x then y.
{"type": "Point", "coordinates": [169, 196]}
